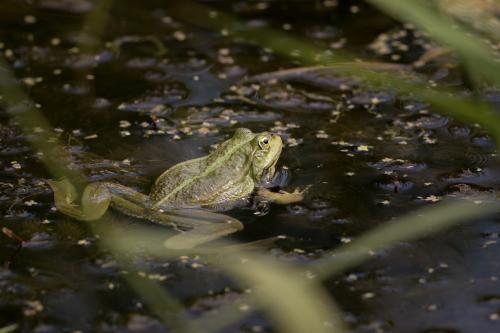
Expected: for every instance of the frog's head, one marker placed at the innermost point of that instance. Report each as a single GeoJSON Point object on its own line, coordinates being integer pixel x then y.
{"type": "Point", "coordinates": [267, 149]}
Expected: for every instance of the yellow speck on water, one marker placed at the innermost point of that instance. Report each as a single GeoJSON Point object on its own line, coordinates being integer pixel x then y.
{"type": "Point", "coordinates": [257, 328]}
{"type": "Point", "coordinates": [363, 148]}
{"type": "Point", "coordinates": [432, 307]}
{"type": "Point", "coordinates": [368, 295]}
{"type": "Point", "coordinates": [15, 165]}
{"type": "Point", "coordinates": [321, 135]}
{"type": "Point", "coordinates": [489, 243]}
{"type": "Point", "coordinates": [262, 5]}
{"type": "Point", "coordinates": [494, 316]}
{"type": "Point", "coordinates": [31, 81]}
{"type": "Point", "coordinates": [29, 19]}
{"type": "Point", "coordinates": [125, 124]}
{"type": "Point", "coordinates": [244, 307]}
{"type": "Point", "coordinates": [32, 308]}
{"type": "Point", "coordinates": [432, 198]}
{"type": "Point", "coordinates": [83, 242]}
{"type": "Point", "coordinates": [180, 36]}
{"type": "Point", "coordinates": [157, 277]}
{"type": "Point", "coordinates": [292, 142]}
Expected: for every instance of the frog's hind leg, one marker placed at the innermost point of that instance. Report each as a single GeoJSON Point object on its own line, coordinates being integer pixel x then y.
{"type": "Point", "coordinates": [196, 226]}
{"type": "Point", "coordinates": [95, 200]}
{"type": "Point", "coordinates": [205, 227]}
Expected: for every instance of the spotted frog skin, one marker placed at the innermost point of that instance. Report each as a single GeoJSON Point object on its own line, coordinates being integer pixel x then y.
{"type": "Point", "coordinates": [187, 195]}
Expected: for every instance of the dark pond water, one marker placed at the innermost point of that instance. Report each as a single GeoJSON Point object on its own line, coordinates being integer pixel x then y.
{"type": "Point", "coordinates": [126, 113]}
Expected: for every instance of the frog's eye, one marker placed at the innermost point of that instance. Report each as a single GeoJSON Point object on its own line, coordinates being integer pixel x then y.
{"type": "Point", "coordinates": [264, 142]}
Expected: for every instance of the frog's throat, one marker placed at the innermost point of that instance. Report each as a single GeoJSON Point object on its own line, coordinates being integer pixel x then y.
{"type": "Point", "coordinates": [268, 173]}
{"type": "Point", "coordinates": [272, 169]}
{"type": "Point", "coordinates": [208, 170]}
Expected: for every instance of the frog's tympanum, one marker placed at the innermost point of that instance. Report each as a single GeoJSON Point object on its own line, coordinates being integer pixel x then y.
{"type": "Point", "coordinates": [186, 195]}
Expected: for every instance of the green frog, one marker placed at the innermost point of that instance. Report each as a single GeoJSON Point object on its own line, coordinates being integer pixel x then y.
{"type": "Point", "coordinates": [187, 195]}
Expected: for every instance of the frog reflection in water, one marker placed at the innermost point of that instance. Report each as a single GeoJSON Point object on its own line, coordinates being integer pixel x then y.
{"type": "Point", "coordinates": [186, 195]}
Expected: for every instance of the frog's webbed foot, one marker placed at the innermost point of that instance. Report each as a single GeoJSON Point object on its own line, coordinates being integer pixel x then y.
{"type": "Point", "coordinates": [206, 226]}
{"type": "Point", "coordinates": [282, 197]}
{"type": "Point", "coordinates": [93, 204]}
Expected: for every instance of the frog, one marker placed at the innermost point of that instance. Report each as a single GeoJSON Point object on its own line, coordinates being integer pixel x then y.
{"type": "Point", "coordinates": [190, 195]}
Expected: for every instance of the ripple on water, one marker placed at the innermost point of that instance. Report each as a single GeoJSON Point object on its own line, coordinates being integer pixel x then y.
{"type": "Point", "coordinates": [141, 63]}
{"type": "Point", "coordinates": [459, 131]}
{"type": "Point", "coordinates": [464, 175]}
{"type": "Point", "coordinates": [478, 159]}
{"type": "Point", "coordinates": [395, 185]}
{"type": "Point", "coordinates": [398, 165]}
{"type": "Point", "coordinates": [372, 98]}
{"type": "Point", "coordinates": [320, 77]}
{"type": "Point", "coordinates": [483, 141]}
{"type": "Point", "coordinates": [431, 122]}
{"type": "Point", "coordinates": [40, 241]}
{"type": "Point", "coordinates": [470, 191]}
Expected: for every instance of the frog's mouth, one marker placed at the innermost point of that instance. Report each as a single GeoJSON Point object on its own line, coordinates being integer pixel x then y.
{"type": "Point", "coordinates": [268, 173]}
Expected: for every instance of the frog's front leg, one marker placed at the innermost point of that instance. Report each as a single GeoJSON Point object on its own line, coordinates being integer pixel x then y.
{"type": "Point", "coordinates": [282, 197]}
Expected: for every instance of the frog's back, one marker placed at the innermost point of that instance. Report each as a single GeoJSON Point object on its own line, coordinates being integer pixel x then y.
{"type": "Point", "coordinates": [207, 181]}
{"type": "Point", "coordinates": [169, 185]}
